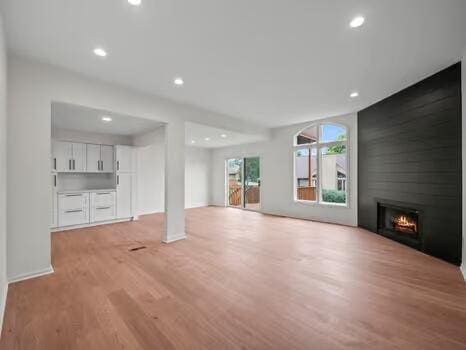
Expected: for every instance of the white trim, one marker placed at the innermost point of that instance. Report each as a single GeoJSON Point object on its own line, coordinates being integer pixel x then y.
{"type": "Point", "coordinates": [178, 238]}
{"type": "Point", "coordinates": [30, 275]}
{"type": "Point", "coordinates": [318, 146]}
{"type": "Point", "coordinates": [463, 270]}
{"type": "Point", "coordinates": [74, 227]}
{"type": "Point", "coordinates": [323, 204]}
{"type": "Point", "coordinates": [3, 306]}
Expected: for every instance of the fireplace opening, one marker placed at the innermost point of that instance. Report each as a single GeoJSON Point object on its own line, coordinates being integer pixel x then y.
{"type": "Point", "coordinates": [399, 223]}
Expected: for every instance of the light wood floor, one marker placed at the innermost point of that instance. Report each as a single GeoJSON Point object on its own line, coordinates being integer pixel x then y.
{"type": "Point", "coordinates": [241, 280]}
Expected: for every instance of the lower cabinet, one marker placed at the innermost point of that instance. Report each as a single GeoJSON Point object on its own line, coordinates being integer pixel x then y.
{"type": "Point", "coordinates": [102, 206]}
{"type": "Point", "coordinates": [73, 209]}
{"type": "Point", "coordinates": [124, 193]}
{"type": "Point", "coordinates": [80, 208]}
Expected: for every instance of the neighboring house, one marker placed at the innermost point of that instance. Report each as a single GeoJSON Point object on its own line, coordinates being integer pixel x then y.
{"type": "Point", "coordinates": [333, 174]}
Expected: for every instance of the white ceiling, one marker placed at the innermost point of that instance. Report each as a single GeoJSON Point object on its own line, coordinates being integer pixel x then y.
{"type": "Point", "coordinates": [79, 118]}
{"type": "Point", "coordinates": [198, 133]}
{"type": "Point", "coordinates": [273, 62]}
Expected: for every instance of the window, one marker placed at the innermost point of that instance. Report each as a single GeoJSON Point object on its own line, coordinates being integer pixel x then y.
{"type": "Point", "coordinates": [320, 166]}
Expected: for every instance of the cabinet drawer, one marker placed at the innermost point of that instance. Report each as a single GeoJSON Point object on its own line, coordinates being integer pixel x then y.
{"type": "Point", "coordinates": [74, 217]}
{"type": "Point", "coordinates": [99, 199]}
{"type": "Point", "coordinates": [102, 213]}
{"type": "Point", "coordinates": [70, 201]}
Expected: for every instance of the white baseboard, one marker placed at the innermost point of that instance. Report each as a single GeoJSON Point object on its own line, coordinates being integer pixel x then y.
{"type": "Point", "coordinates": [3, 305]}
{"type": "Point", "coordinates": [463, 270]}
{"type": "Point", "coordinates": [30, 275]}
{"type": "Point", "coordinates": [174, 239]}
{"type": "Point", "coordinates": [67, 228]}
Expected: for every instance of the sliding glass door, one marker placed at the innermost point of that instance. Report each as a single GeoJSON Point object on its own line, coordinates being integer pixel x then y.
{"type": "Point", "coordinates": [243, 183]}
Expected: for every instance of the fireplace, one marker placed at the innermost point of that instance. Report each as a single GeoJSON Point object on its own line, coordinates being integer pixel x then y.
{"type": "Point", "coordinates": [400, 222]}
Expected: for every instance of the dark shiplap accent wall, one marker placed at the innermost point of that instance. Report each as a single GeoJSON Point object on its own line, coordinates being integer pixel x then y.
{"type": "Point", "coordinates": [410, 151]}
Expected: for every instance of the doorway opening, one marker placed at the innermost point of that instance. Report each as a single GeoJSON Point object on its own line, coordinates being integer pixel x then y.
{"type": "Point", "coordinates": [243, 183]}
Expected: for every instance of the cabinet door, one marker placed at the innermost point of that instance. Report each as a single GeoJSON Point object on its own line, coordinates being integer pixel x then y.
{"type": "Point", "coordinates": [79, 157]}
{"type": "Point", "coordinates": [62, 153]}
{"type": "Point", "coordinates": [123, 200]}
{"type": "Point", "coordinates": [93, 158]}
{"type": "Point", "coordinates": [124, 156]}
{"type": "Point", "coordinates": [107, 158]}
{"type": "Point", "coordinates": [54, 216]}
{"type": "Point", "coordinates": [73, 209]}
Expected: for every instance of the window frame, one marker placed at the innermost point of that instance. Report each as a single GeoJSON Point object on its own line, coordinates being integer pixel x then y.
{"type": "Point", "coordinates": [319, 146]}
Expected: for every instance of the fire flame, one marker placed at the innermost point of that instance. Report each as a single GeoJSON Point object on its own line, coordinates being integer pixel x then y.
{"type": "Point", "coordinates": [405, 222]}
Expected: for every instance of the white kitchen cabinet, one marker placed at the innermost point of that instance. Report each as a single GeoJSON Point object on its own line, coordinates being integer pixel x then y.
{"type": "Point", "coordinates": [93, 158]}
{"type": "Point", "coordinates": [123, 195]}
{"type": "Point", "coordinates": [103, 206]}
{"type": "Point", "coordinates": [124, 159]}
{"type": "Point", "coordinates": [68, 156]}
{"type": "Point", "coordinates": [79, 157]}
{"type": "Point", "coordinates": [108, 158]}
{"type": "Point", "coordinates": [54, 216]}
{"type": "Point", "coordinates": [62, 153]}
{"type": "Point", "coordinates": [100, 158]}
{"type": "Point", "coordinates": [73, 208]}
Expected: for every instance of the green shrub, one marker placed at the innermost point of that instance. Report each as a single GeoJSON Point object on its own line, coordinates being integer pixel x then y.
{"type": "Point", "coordinates": [333, 196]}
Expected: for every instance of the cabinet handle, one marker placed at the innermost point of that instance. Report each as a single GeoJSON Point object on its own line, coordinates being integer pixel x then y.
{"type": "Point", "coordinates": [74, 164]}
{"type": "Point", "coordinates": [102, 165]}
{"type": "Point", "coordinates": [74, 211]}
{"type": "Point", "coordinates": [55, 163]}
{"type": "Point", "coordinates": [102, 193]}
{"type": "Point", "coordinates": [73, 195]}
{"type": "Point", "coordinates": [118, 165]}
{"type": "Point", "coordinates": [55, 181]}
{"type": "Point", "coordinates": [103, 207]}
{"type": "Point", "coordinates": [69, 164]}
{"type": "Point", "coordinates": [118, 179]}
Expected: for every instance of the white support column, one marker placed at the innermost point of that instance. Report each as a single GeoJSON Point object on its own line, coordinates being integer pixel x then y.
{"type": "Point", "coordinates": [174, 182]}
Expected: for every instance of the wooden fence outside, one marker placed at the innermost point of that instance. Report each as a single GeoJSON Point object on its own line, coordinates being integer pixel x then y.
{"type": "Point", "coordinates": [307, 193]}
{"type": "Point", "coordinates": [252, 195]}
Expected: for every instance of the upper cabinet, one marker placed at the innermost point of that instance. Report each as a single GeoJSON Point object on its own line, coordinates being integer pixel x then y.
{"type": "Point", "coordinates": [68, 156]}
{"type": "Point", "coordinates": [100, 158]}
{"type": "Point", "coordinates": [107, 157]}
{"type": "Point", "coordinates": [93, 158]}
{"type": "Point", "coordinates": [81, 157]}
{"type": "Point", "coordinates": [124, 159]}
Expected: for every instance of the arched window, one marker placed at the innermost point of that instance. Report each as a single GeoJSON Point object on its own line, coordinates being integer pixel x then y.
{"type": "Point", "coordinates": [321, 164]}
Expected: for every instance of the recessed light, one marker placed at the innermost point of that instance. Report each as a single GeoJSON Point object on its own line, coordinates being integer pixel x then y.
{"type": "Point", "coordinates": [106, 119]}
{"type": "Point", "coordinates": [357, 22]}
{"type": "Point", "coordinates": [192, 141]}
{"type": "Point", "coordinates": [134, 2]}
{"type": "Point", "coordinates": [223, 135]}
{"type": "Point", "coordinates": [354, 94]}
{"type": "Point", "coordinates": [178, 81]}
{"type": "Point", "coordinates": [98, 51]}
{"type": "Point", "coordinates": [207, 139]}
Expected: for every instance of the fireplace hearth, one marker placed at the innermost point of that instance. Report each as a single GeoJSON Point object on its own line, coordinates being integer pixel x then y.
{"type": "Point", "coordinates": [400, 222]}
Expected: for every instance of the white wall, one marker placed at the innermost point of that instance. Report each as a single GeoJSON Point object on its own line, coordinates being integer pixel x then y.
{"type": "Point", "coordinates": [277, 175]}
{"type": "Point", "coordinates": [197, 177]}
{"type": "Point", "coordinates": [150, 150]}
{"type": "Point", "coordinates": [32, 87]}
{"type": "Point", "coordinates": [463, 150]}
{"type": "Point", "coordinates": [3, 155]}
{"type": "Point", "coordinates": [91, 137]}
